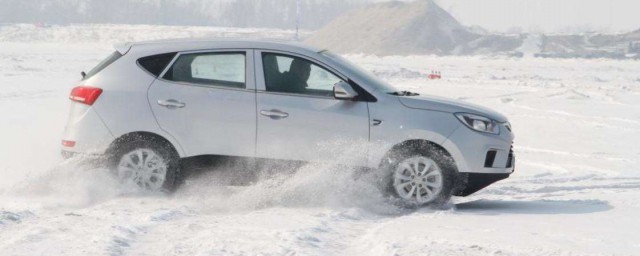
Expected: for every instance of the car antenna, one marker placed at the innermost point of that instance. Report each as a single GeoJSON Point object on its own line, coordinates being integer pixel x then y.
{"type": "Point", "coordinates": [297, 36]}
{"type": "Point", "coordinates": [83, 74]}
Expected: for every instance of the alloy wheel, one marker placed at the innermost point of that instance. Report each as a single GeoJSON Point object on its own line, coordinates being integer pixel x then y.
{"type": "Point", "coordinates": [144, 168]}
{"type": "Point", "coordinates": [418, 179]}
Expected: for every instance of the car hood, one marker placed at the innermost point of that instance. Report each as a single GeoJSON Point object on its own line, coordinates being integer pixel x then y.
{"type": "Point", "coordinates": [448, 105]}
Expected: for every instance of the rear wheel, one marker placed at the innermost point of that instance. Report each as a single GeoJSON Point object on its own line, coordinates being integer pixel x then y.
{"type": "Point", "coordinates": [145, 163]}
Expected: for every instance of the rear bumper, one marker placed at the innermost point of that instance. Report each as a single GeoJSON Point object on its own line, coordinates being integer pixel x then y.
{"type": "Point", "coordinates": [68, 154]}
{"type": "Point", "coordinates": [85, 129]}
{"type": "Point", "coordinates": [82, 156]}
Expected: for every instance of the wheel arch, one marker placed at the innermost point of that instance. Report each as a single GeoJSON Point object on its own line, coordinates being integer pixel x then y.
{"type": "Point", "coordinates": [140, 135]}
{"type": "Point", "coordinates": [413, 145]}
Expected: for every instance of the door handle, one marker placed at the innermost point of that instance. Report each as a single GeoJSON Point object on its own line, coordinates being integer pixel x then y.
{"type": "Point", "coordinates": [171, 104]}
{"type": "Point", "coordinates": [274, 114]}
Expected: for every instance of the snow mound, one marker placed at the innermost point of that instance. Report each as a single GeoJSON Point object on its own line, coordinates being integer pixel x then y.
{"type": "Point", "coordinates": [403, 28]}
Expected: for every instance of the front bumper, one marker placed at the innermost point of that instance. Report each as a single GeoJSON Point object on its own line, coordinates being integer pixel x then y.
{"type": "Point", "coordinates": [481, 159]}
{"type": "Point", "coordinates": [475, 152]}
{"type": "Point", "coordinates": [469, 183]}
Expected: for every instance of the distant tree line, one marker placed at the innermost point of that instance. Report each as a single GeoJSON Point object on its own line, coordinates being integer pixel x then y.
{"type": "Point", "coordinates": [236, 13]}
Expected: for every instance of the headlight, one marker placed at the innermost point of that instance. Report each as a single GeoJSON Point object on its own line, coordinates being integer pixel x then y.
{"type": "Point", "coordinates": [479, 123]}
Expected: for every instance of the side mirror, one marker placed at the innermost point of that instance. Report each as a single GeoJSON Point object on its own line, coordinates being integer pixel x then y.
{"type": "Point", "coordinates": [343, 91]}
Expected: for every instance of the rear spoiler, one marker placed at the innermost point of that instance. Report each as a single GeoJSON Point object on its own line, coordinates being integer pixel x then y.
{"type": "Point", "coordinates": [123, 48]}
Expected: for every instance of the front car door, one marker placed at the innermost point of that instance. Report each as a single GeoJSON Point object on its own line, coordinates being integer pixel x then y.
{"type": "Point", "coordinates": [206, 101]}
{"type": "Point", "coordinates": [298, 117]}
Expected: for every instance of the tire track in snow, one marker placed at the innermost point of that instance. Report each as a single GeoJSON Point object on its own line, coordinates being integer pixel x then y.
{"type": "Point", "coordinates": [600, 120]}
{"type": "Point", "coordinates": [525, 149]}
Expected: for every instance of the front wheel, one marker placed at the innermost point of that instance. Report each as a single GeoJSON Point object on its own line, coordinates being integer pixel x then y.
{"type": "Point", "coordinates": [145, 164]}
{"type": "Point", "coordinates": [425, 178]}
{"type": "Point", "coordinates": [418, 180]}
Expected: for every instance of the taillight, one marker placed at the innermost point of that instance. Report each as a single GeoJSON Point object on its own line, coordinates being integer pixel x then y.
{"type": "Point", "coordinates": [68, 143]}
{"type": "Point", "coordinates": [85, 94]}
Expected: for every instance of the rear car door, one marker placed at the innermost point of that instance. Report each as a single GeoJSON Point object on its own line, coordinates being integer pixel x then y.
{"type": "Point", "coordinates": [206, 100]}
{"type": "Point", "coordinates": [298, 117]}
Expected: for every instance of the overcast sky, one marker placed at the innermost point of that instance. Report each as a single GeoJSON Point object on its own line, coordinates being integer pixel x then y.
{"type": "Point", "coordinates": [547, 15]}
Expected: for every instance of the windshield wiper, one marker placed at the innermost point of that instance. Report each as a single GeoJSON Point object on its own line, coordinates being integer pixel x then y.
{"type": "Point", "coordinates": [404, 93]}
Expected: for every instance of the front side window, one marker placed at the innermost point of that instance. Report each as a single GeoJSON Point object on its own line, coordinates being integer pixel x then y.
{"type": "Point", "coordinates": [284, 73]}
{"type": "Point", "coordinates": [217, 69]}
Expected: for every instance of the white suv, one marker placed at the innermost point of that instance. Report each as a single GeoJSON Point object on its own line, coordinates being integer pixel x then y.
{"type": "Point", "coordinates": [150, 104]}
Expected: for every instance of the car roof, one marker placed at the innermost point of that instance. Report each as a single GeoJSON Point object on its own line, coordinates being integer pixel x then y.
{"type": "Point", "coordinates": [190, 44]}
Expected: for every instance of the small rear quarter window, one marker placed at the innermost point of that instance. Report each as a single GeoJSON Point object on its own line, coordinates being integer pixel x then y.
{"type": "Point", "coordinates": [155, 64]}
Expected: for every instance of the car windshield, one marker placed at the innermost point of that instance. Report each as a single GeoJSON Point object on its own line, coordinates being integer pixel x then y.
{"type": "Point", "coordinates": [368, 78]}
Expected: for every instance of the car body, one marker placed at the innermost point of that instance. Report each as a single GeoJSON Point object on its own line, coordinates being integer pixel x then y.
{"type": "Point", "coordinates": [237, 98]}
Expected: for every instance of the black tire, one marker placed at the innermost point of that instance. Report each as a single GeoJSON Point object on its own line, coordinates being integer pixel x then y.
{"type": "Point", "coordinates": [161, 148]}
{"type": "Point", "coordinates": [440, 157]}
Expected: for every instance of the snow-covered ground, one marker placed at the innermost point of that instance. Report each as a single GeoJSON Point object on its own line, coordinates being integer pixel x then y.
{"type": "Point", "coordinates": [576, 190]}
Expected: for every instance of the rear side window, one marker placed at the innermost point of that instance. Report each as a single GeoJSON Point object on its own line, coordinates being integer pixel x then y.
{"type": "Point", "coordinates": [218, 69]}
{"type": "Point", "coordinates": [103, 64]}
{"type": "Point", "coordinates": [155, 64]}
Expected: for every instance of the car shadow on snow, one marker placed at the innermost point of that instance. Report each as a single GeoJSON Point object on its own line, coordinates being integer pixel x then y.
{"type": "Point", "coordinates": [545, 207]}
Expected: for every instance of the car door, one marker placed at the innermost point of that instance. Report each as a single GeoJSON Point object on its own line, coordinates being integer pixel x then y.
{"type": "Point", "coordinates": [206, 100]}
{"type": "Point", "coordinates": [298, 117]}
